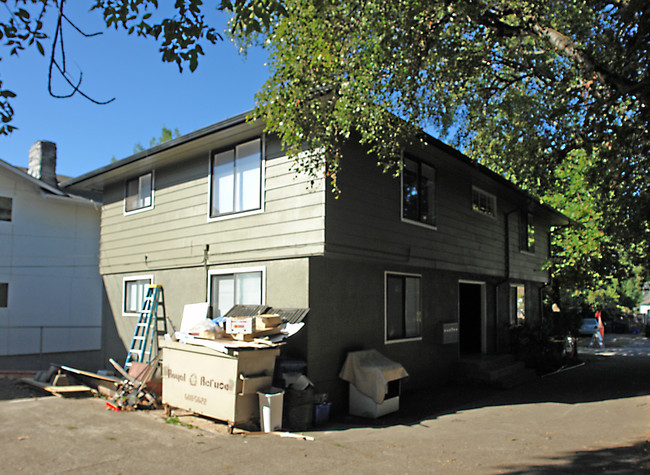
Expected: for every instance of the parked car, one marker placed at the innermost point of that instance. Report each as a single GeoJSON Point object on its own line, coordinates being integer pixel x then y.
{"type": "Point", "coordinates": [589, 325]}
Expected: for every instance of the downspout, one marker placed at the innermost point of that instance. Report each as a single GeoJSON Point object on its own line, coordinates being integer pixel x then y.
{"type": "Point", "coordinates": [206, 250]}
{"type": "Point", "coordinates": [506, 278]}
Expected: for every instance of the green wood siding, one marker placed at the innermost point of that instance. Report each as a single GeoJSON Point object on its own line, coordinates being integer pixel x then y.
{"type": "Point", "coordinates": [366, 221]}
{"type": "Point", "coordinates": [175, 232]}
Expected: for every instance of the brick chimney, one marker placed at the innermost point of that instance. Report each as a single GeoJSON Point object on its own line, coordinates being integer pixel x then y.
{"type": "Point", "coordinates": [42, 162]}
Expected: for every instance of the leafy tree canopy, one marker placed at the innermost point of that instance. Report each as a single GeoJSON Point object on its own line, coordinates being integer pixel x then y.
{"type": "Point", "coordinates": [552, 94]}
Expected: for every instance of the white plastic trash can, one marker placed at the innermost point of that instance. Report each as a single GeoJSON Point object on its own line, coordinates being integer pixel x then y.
{"type": "Point", "coordinates": [271, 409]}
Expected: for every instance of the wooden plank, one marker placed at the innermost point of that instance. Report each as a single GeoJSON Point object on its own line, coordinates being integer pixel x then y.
{"type": "Point", "coordinates": [60, 391]}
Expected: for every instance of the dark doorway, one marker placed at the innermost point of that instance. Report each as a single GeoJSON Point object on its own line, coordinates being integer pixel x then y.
{"type": "Point", "coordinates": [470, 310]}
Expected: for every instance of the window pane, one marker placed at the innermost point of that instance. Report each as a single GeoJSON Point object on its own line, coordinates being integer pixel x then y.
{"type": "Point", "coordinates": [248, 171]}
{"type": "Point", "coordinates": [144, 193]}
{"type": "Point", "coordinates": [403, 307]}
{"type": "Point", "coordinates": [4, 295]}
{"type": "Point", "coordinates": [138, 193]}
{"type": "Point", "coordinates": [5, 208]}
{"type": "Point", "coordinates": [223, 183]}
{"type": "Point", "coordinates": [521, 304]}
{"type": "Point", "coordinates": [223, 294]}
{"type": "Point", "coordinates": [394, 307]}
{"type": "Point", "coordinates": [237, 179]}
{"type": "Point", "coordinates": [418, 192]}
{"type": "Point", "coordinates": [235, 289]}
{"type": "Point", "coordinates": [134, 292]}
{"type": "Point", "coordinates": [249, 288]}
{"type": "Point", "coordinates": [410, 206]}
{"type": "Point", "coordinates": [517, 304]}
{"type": "Point", "coordinates": [428, 200]}
{"type": "Point", "coordinates": [131, 195]}
{"type": "Point", "coordinates": [530, 234]}
{"type": "Point", "coordinates": [412, 310]}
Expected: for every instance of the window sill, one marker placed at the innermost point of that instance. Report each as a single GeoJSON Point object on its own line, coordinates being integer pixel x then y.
{"type": "Point", "coordinates": [403, 340]}
{"type": "Point", "coordinates": [420, 224]}
{"type": "Point", "coordinates": [136, 211]}
{"type": "Point", "coordinates": [225, 217]}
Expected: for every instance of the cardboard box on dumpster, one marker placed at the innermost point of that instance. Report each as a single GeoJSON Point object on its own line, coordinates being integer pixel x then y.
{"type": "Point", "coordinates": [242, 325]}
{"type": "Point", "coordinates": [266, 322]}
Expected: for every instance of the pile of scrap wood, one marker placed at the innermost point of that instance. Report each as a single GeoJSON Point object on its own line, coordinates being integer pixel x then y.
{"type": "Point", "coordinates": [64, 381]}
{"type": "Point", "coordinates": [138, 389]}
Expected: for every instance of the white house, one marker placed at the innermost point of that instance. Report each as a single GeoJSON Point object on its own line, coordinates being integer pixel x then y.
{"type": "Point", "coordinates": [50, 289]}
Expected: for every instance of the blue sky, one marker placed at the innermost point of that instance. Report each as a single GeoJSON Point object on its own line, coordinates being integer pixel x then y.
{"type": "Point", "coordinates": [149, 94]}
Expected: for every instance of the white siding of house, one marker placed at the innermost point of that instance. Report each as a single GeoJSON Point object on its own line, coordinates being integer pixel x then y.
{"type": "Point", "coordinates": [49, 258]}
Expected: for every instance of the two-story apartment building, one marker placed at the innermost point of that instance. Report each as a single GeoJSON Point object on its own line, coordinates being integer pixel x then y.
{"type": "Point", "coordinates": [218, 215]}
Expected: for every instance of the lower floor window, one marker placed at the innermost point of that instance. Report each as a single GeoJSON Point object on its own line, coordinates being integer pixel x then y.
{"type": "Point", "coordinates": [403, 307]}
{"type": "Point", "coordinates": [236, 287]}
{"type": "Point", "coordinates": [135, 289]}
{"type": "Point", "coordinates": [517, 304]}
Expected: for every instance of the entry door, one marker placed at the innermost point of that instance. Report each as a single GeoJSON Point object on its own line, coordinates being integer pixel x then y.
{"type": "Point", "coordinates": [470, 317]}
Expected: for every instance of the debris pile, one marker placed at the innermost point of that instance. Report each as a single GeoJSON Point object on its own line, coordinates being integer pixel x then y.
{"type": "Point", "coordinates": [137, 390]}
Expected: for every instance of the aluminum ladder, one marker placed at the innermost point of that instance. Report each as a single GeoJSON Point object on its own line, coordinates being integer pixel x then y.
{"type": "Point", "coordinates": [147, 329]}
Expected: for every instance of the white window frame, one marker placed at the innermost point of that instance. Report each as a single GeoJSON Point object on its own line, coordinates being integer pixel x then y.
{"type": "Point", "coordinates": [126, 190]}
{"type": "Point", "coordinates": [388, 341]}
{"type": "Point", "coordinates": [237, 214]}
{"type": "Point", "coordinates": [10, 209]}
{"type": "Point", "coordinates": [237, 270]}
{"type": "Point", "coordinates": [488, 196]}
{"type": "Point", "coordinates": [133, 278]}
{"type": "Point", "coordinates": [435, 192]}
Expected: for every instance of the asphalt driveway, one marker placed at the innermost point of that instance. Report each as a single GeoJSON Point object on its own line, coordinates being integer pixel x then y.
{"type": "Point", "coordinates": [593, 418]}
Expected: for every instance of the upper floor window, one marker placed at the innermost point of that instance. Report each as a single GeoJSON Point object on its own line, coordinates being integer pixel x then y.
{"type": "Point", "coordinates": [135, 290]}
{"type": "Point", "coordinates": [418, 192]}
{"type": "Point", "coordinates": [236, 176]}
{"type": "Point", "coordinates": [5, 208]}
{"type": "Point", "coordinates": [527, 232]}
{"type": "Point", "coordinates": [403, 308]}
{"type": "Point", "coordinates": [139, 193]}
{"type": "Point", "coordinates": [483, 202]}
{"type": "Point", "coordinates": [236, 287]}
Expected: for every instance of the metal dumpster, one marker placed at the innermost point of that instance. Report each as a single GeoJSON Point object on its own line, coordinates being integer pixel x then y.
{"type": "Point", "coordinates": [215, 384]}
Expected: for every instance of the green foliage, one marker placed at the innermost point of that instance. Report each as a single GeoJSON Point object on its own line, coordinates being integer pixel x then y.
{"type": "Point", "coordinates": [181, 36]}
{"type": "Point", "coordinates": [165, 136]}
{"type": "Point", "coordinates": [552, 95]}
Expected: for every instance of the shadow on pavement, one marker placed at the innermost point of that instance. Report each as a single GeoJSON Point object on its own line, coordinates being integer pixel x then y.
{"type": "Point", "coordinates": [632, 459]}
{"type": "Point", "coordinates": [598, 378]}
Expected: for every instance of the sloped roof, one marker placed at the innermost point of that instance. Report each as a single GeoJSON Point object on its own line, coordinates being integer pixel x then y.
{"type": "Point", "coordinates": [20, 173]}
{"type": "Point", "coordinates": [26, 176]}
{"type": "Point", "coordinates": [94, 177]}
